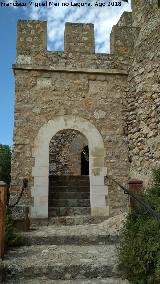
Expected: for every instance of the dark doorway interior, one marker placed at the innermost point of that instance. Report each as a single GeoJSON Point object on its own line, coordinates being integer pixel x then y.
{"type": "Point", "coordinates": [85, 161]}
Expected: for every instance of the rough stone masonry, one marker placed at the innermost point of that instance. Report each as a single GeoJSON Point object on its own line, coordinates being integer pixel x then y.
{"type": "Point", "coordinates": [112, 99]}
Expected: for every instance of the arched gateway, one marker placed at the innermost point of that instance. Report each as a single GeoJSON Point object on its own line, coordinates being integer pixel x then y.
{"type": "Point", "coordinates": [97, 171]}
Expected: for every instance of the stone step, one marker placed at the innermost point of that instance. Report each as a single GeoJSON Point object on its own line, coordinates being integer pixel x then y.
{"type": "Point", "coordinates": [44, 280]}
{"type": "Point", "coordinates": [68, 177]}
{"type": "Point", "coordinates": [69, 220]}
{"type": "Point", "coordinates": [62, 262]}
{"type": "Point", "coordinates": [71, 240]}
{"type": "Point", "coordinates": [71, 188]}
{"type": "Point", "coordinates": [69, 195]}
{"type": "Point", "coordinates": [68, 239]}
{"type": "Point", "coordinates": [68, 211]}
{"type": "Point", "coordinates": [69, 202]}
{"type": "Point", "coordinates": [69, 180]}
{"type": "Point", "coordinates": [88, 234]}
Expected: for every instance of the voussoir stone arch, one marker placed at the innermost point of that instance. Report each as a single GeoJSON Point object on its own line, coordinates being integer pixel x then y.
{"type": "Point", "coordinates": [40, 171]}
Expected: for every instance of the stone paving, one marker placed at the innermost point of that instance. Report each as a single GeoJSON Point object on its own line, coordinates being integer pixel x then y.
{"type": "Point", "coordinates": [90, 255]}
{"type": "Point", "coordinates": [93, 281]}
{"type": "Point", "coordinates": [102, 233]}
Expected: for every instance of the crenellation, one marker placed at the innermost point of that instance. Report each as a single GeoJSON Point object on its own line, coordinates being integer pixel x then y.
{"type": "Point", "coordinates": [123, 36]}
{"type": "Point", "coordinates": [79, 54]}
{"type": "Point", "coordinates": [122, 40]}
{"type": "Point", "coordinates": [31, 38]}
{"type": "Point", "coordinates": [126, 20]}
{"type": "Point", "coordinates": [79, 38]}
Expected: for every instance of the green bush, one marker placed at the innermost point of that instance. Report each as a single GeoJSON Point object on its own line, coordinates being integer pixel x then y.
{"type": "Point", "coordinates": [11, 238]}
{"type": "Point", "coordinates": [5, 163]}
{"type": "Point", "coordinates": [139, 251]}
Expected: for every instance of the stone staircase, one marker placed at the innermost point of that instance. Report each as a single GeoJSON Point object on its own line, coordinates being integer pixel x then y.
{"type": "Point", "coordinates": [77, 254]}
{"type": "Point", "coordinates": [69, 195]}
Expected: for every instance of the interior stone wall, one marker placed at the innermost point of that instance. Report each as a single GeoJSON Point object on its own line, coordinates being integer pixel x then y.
{"type": "Point", "coordinates": [65, 152]}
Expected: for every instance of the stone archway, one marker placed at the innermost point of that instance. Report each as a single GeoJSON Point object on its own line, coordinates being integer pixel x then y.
{"type": "Point", "coordinates": [97, 171]}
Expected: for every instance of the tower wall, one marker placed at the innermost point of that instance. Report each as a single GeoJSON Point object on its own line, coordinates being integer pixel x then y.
{"type": "Point", "coordinates": [142, 10]}
{"type": "Point", "coordinates": [143, 98]}
{"type": "Point", "coordinates": [77, 82]}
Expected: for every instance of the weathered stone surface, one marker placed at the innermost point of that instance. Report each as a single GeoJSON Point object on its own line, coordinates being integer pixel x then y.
{"type": "Point", "coordinates": [50, 258]}
{"type": "Point", "coordinates": [88, 85]}
{"type": "Point", "coordinates": [69, 220]}
{"type": "Point", "coordinates": [65, 153]}
{"type": "Point", "coordinates": [143, 98]}
{"type": "Point", "coordinates": [100, 232]}
{"type": "Point", "coordinates": [43, 280]}
{"type": "Point", "coordinates": [81, 83]}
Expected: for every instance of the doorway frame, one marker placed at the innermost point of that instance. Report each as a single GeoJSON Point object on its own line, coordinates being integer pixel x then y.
{"type": "Point", "coordinates": [97, 171]}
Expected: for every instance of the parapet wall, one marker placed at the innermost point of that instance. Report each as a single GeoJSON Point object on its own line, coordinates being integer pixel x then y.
{"type": "Point", "coordinates": [79, 47]}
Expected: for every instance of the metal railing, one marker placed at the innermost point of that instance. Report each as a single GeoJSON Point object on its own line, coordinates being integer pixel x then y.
{"type": "Point", "coordinates": [140, 200]}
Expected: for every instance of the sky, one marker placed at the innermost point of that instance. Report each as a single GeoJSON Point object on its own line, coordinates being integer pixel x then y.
{"type": "Point", "coordinates": [103, 19]}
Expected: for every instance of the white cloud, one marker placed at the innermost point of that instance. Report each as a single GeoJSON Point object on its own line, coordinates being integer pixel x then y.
{"type": "Point", "coordinates": [103, 19]}
{"type": "Point", "coordinates": [12, 4]}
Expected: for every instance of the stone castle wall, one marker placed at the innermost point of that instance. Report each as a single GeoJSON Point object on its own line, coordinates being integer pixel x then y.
{"type": "Point", "coordinates": [118, 93]}
{"type": "Point", "coordinates": [143, 99]}
{"type": "Point", "coordinates": [143, 95]}
{"type": "Point", "coordinates": [85, 84]}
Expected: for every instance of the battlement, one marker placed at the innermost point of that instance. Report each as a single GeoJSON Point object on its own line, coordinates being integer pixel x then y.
{"type": "Point", "coordinates": [123, 35]}
{"type": "Point", "coordinates": [32, 37]}
{"type": "Point", "coordinates": [79, 47]}
{"type": "Point", "coordinates": [79, 38]}
{"type": "Point", "coordinates": [79, 43]}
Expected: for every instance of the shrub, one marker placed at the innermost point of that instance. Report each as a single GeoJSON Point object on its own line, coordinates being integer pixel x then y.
{"type": "Point", "coordinates": [139, 251]}
{"type": "Point", "coordinates": [11, 238]}
{"type": "Point", "coordinates": [5, 163]}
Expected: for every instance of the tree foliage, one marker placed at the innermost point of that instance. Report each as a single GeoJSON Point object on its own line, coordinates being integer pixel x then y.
{"type": "Point", "coordinates": [5, 163]}
{"type": "Point", "coordinates": [139, 251]}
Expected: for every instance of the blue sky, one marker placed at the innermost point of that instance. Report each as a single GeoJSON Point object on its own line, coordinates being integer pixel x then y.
{"type": "Point", "coordinates": [103, 19]}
